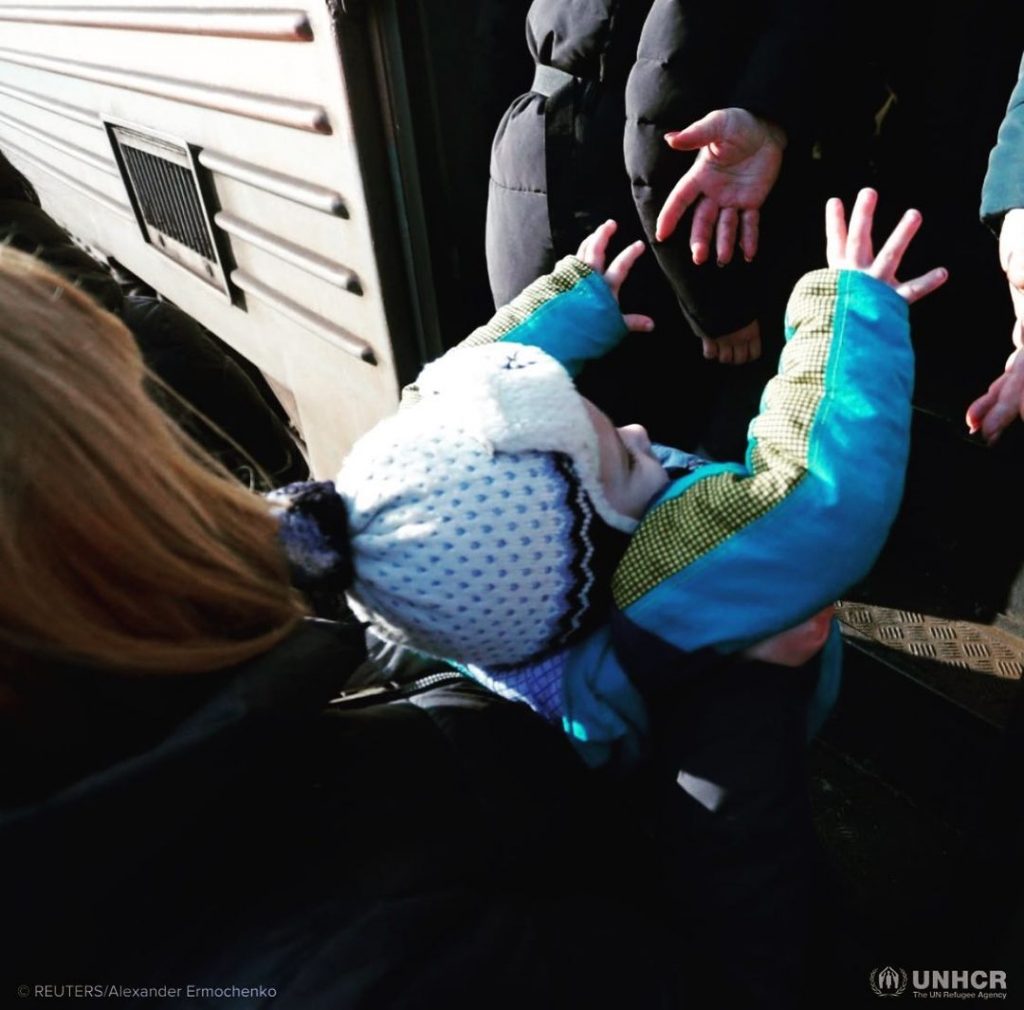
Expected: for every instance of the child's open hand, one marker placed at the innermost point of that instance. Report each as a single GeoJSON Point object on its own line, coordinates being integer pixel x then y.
{"type": "Point", "coordinates": [594, 249]}
{"type": "Point", "coordinates": [852, 249]}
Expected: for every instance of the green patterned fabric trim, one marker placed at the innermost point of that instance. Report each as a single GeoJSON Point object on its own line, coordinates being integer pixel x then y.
{"type": "Point", "coordinates": [568, 272]}
{"type": "Point", "coordinates": [678, 532]}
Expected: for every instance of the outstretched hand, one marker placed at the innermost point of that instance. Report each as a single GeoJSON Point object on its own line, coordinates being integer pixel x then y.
{"type": "Point", "coordinates": [994, 412]}
{"type": "Point", "coordinates": [851, 248]}
{"type": "Point", "coordinates": [593, 251]}
{"type": "Point", "coordinates": [738, 162]}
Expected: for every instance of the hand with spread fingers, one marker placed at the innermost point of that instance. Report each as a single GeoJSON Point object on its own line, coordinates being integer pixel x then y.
{"type": "Point", "coordinates": [739, 158]}
{"type": "Point", "coordinates": [992, 413]}
{"type": "Point", "coordinates": [851, 248]}
{"type": "Point", "coordinates": [593, 251]}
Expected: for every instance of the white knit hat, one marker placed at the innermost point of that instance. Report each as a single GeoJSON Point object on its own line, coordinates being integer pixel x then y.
{"type": "Point", "coordinates": [471, 513]}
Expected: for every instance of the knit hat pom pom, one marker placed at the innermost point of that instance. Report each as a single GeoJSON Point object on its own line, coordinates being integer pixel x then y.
{"type": "Point", "coordinates": [314, 534]}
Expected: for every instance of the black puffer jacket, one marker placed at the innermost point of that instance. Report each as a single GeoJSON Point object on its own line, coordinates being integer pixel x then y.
{"type": "Point", "coordinates": [445, 850]}
{"type": "Point", "coordinates": [696, 56]}
{"type": "Point", "coordinates": [556, 163]}
{"type": "Point", "coordinates": [586, 144]}
{"type": "Point", "coordinates": [640, 70]}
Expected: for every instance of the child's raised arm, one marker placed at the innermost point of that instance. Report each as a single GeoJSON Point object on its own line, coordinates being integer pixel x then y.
{"type": "Point", "coordinates": [571, 313]}
{"type": "Point", "coordinates": [732, 554]}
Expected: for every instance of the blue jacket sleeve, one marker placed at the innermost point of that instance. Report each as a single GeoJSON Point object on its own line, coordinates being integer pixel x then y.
{"type": "Point", "coordinates": [1003, 188]}
{"type": "Point", "coordinates": [570, 313]}
{"type": "Point", "coordinates": [732, 554]}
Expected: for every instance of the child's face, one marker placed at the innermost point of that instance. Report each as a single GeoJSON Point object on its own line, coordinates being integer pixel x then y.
{"type": "Point", "coordinates": [629, 474]}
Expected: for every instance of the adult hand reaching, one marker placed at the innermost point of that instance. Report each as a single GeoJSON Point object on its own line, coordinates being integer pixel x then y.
{"type": "Point", "coordinates": [738, 162]}
{"type": "Point", "coordinates": [994, 412]}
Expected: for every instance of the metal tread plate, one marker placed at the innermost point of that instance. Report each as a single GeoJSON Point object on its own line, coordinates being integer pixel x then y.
{"type": "Point", "coordinates": [977, 666]}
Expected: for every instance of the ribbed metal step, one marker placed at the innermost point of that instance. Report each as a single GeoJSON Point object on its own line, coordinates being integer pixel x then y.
{"type": "Point", "coordinates": [976, 666]}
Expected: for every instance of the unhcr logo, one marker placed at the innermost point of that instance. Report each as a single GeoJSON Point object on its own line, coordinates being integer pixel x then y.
{"type": "Point", "coordinates": [935, 984]}
{"type": "Point", "coordinates": [888, 981]}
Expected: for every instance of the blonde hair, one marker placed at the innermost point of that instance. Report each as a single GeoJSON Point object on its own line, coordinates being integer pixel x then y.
{"type": "Point", "coordinates": [121, 545]}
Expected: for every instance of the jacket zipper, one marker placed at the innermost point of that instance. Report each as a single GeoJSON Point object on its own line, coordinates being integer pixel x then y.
{"type": "Point", "coordinates": [392, 689]}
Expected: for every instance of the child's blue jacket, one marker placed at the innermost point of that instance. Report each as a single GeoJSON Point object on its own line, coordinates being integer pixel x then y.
{"type": "Point", "coordinates": [729, 554]}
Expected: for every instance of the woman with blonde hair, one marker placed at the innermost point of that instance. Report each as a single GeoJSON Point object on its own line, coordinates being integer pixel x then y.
{"type": "Point", "coordinates": [183, 817]}
{"type": "Point", "coordinates": [112, 519]}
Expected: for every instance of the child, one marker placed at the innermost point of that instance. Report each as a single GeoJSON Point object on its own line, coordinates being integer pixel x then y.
{"type": "Point", "coordinates": [502, 522]}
